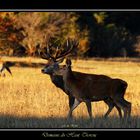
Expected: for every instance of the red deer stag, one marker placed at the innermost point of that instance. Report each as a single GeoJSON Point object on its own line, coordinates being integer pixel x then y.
{"type": "Point", "coordinates": [57, 79]}
{"type": "Point", "coordinates": [90, 87]}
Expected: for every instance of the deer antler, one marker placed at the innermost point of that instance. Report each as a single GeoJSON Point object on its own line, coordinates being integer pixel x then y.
{"type": "Point", "coordinates": [45, 54]}
{"type": "Point", "coordinates": [69, 45]}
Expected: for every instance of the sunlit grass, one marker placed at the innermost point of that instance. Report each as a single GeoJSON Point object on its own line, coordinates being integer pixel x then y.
{"type": "Point", "coordinates": [28, 99]}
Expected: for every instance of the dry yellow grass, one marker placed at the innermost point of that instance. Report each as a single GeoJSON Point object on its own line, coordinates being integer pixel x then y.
{"type": "Point", "coordinates": [28, 99]}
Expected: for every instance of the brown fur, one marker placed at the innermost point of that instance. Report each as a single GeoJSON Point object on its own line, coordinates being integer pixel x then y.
{"type": "Point", "coordinates": [90, 87]}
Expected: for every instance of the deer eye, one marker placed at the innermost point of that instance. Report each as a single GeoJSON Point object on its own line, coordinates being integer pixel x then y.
{"type": "Point", "coordinates": [47, 65]}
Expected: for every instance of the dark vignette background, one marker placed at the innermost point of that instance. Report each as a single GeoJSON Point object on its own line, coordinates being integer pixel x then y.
{"type": "Point", "coordinates": [69, 4]}
{"type": "Point", "coordinates": [44, 134]}
{"type": "Point", "coordinates": [65, 4]}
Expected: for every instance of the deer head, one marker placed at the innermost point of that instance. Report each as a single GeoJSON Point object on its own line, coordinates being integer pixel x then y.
{"type": "Point", "coordinates": [58, 54]}
{"type": "Point", "coordinates": [63, 69]}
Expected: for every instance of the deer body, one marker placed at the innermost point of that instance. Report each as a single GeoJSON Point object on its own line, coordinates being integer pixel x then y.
{"type": "Point", "coordinates": [98, 87]}
{"type": "Point", "coordinates": [58, 81]}
{"type": "Point", "coordinates": [90, 87]}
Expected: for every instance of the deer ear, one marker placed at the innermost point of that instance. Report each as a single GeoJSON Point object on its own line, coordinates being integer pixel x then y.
{"type": "Point", "coordinates": [68, 62]}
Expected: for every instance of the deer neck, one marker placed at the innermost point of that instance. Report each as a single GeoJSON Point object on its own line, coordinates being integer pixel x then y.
{"type": "Point", "coordinates": [68, 75]}
{"type": "Point", "coordinates": [54, 78]}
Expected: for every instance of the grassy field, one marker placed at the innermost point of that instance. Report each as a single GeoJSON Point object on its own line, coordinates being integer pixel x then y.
{"type": "Point", "coordinates": [28, 99]}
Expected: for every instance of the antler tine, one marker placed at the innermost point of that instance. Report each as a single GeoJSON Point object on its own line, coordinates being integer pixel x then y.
{"type": "Point", "coordinates": [48, 53]}
{"type": "Point", "coordinates": [70, 45]}
{"type": "Point", "coordinates": [48, 50]}
{"type": "Point", "coordinates": [57, 52]}
{"type": "Point", "coordinates": [44, 56]}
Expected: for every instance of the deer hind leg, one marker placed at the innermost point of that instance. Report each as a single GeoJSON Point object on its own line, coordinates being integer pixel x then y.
{"type": "Point", "coordinates": [89, 108]}
{"type": "Point", "coordinates": [119, 111]}
{"type": "Point", "coordinates": [76, 103]}
{"type": "Point", "coordinates": [124, 105]}
{"type": "Point", "coordinates": [111, 105]}
{"type": "Point", "coordinates": [128, 110]}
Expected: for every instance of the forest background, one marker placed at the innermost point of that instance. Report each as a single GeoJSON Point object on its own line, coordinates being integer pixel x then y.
{"type": "Point", "coordinates": [100, 34]}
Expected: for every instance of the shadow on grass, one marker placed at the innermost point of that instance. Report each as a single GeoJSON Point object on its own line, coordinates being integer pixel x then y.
{"type": "Point", "coordinates": [38, 64]}
{"type": "Point", "coordinates": [9, 121]}
{"type": "Point", "coordinates": [116, 59]}
{"type": "Point", "coordinates": [24, 64]}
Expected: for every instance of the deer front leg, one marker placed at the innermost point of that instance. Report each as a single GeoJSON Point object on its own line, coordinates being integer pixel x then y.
{"type": "Point", "coordinates": [119, 111]}
{"type": "Point", "coordinates": [71, 102]}
{"type": "Point", "coordinates": [89, 108]}
{"type": "Point", "coordinates": [76, 103]}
